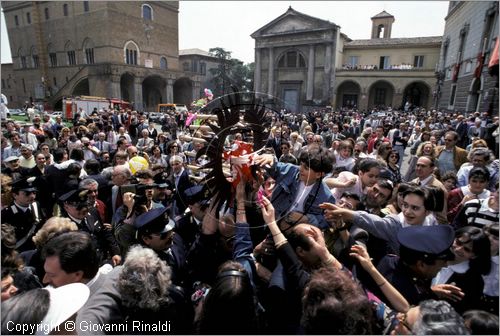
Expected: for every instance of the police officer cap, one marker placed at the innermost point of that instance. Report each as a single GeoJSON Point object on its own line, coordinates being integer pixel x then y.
{"type": "Point", "coordinates": [74, 196]}
{"type": "Point", "coordinates": [11, 158]}
{"type": "Point", "coordinates": [154, 221]}
{"type": "Point", "coordinates": [196, 194]}
{"type": "Point", "coordinates": [432, 242]}
{"type": "Point", "coordinates": [24, 184]}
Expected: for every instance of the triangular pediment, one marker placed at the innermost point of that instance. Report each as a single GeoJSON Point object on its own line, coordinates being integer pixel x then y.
{"type": "Point", "coordinates": [291, 22]}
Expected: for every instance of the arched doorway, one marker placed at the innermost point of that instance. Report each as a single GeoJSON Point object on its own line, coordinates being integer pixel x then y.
{"type": "Point", "coordinates": [127, 87]}
{"type": "Point", "coordinates": [417, 94]}
{"type": "Point", "coordinates": [349, 93]}
{"type": "Point", "coordinates": [183, 91]}
{"type": "Point", "coordinates": [474, 101]}
{"type": "Point", "coordinates": [153, 92]}
{"type": "Point", "coordinates": [381, 94]}
{"type": "Point", "coordinates": [82, 88]}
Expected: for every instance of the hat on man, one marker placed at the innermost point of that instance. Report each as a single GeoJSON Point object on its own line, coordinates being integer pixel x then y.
{"type": "Point", "coordinates": [154, 221]}
{"type": "Point", "coordinates": [75, 196]}
{"type": "Point", "coordinates": [24, 184]}
{"type": "Point", "coordinates": [431, 242]}
{"type": "Point", "coordinates": [196, 194]}
{"type": "Point", "coordinates": [27, 146]}
{"type": "Point", "coordinates": [11, 159]}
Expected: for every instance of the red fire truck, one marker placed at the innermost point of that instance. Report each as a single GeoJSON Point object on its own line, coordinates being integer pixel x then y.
{"type": "Point", "coordinates": [88, 103]}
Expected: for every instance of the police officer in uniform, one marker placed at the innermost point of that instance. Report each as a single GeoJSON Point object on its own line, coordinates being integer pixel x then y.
{"type": "Point", "coordinates": [156, 230]}
{"type": "Point", "coordinates": [424, 250]}
{"type": "Point", "coordinates": [188, 224]}
{"type": "Point", "coordinates": [76, 207]}
{"type": "Point", "coordinates": [24, 214]}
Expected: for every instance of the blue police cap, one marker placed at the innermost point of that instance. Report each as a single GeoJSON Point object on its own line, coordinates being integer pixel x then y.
{"type": "Point", "coordinates": [196, 194]}
{"type": "Point", "coordinates": [23, 184]}
{"type": "Point", "coordinates": [154, 221]}
{"type": "Point", "coordinates": [431, 241]}
{"type": "Point", "coordinates": [75, 196]}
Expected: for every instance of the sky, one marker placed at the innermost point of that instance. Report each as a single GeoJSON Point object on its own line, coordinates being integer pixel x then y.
{"type": "Point", "coordinates": [229, 24]}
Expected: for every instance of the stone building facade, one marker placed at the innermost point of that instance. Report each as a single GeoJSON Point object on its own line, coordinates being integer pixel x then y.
{"type": "Point", "coordinates": [470, 33]}
{"type": "Point", "coordinates": [197, 62]}
{"type": "Point", "coordinates": [119, 49]}
{"type": "Point", "coordinates": [302, 62]}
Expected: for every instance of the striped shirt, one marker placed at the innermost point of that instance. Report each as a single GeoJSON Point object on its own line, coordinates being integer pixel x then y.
{"type": "Point", "coordinates": [478, 213]}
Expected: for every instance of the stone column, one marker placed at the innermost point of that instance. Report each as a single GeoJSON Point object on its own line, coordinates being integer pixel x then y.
{"type": "Point", "coordinates": [138, 99]}
{"type": "Point", "coordinates": [113, 89]}
{"type": "Point", "coordinates": [258, 69]}
{"type": "Point", "coordinates": [270, 83]}
{"type": "Point", "coordinates": [310, 74]}
{"type": "Point", "coordinates": [170, 91]}
{"type": "Point", "coordinates": [327, 72]}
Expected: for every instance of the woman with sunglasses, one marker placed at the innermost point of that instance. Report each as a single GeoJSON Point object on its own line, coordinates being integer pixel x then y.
{"type": "Point", "coordinates": [158, 157]}
{"type": "Point", "coordinates": [461, 282]}
{"type": "Point", "coordinates": [392, 159]}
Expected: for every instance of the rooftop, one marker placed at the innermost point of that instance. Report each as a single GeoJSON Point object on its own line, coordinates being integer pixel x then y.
{"type": "Point", "coordinates": [194, 51]}
{"type": "Point", "coordinates": [396, 41]}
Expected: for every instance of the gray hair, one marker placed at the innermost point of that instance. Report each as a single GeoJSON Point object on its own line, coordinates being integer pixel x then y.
{"type": "Point", "coordinates": [84, 184]}
{"type": "Point", "coordinates": [123, 169]}
{"type": "Point", "coordinates": [144, 280]}
{"type": "Point", "coordinates": [438, 318]}
{"type": "Point", "coordinates": [484, 152]}
{"type": "Point", "coordinates": [176, 158]}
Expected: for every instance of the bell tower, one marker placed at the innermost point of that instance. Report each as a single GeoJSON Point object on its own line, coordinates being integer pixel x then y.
{"type": "Point", "coordinates": [382, 25]}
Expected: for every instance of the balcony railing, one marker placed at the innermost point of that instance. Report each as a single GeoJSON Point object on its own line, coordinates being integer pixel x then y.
{"type": "Point", "coordinates": [397, 67]}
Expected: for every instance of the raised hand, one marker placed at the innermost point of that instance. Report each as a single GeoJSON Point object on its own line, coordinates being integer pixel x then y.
{"type": "Point", "coordinates": [360, 253]}
{"type": "Point", "coordinates": [267, 210]}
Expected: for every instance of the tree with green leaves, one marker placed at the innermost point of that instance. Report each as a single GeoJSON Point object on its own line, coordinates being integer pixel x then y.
{"type": "Point", "coordinates": [230, 72]}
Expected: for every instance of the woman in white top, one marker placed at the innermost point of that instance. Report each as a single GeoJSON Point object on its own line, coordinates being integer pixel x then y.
{"type": "Point", "coordinates": [365, 176]}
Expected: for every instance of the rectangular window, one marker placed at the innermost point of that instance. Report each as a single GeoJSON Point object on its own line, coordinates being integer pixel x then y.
{"type": "Point", "coordinates": [185, 66]}
{"type": "Point", "coordinates": [85, 6]}
{"type": "Point", "coordinates": [55, 81]}
{"type": "Point", "coordinates": [16, 20]}
{"type": "Point", "coordinates": [65, 9]}
{"type": "Point", "coordinates": [195, 66]}
{"type": "Point", "coordinates": [468, 66]}
{"type": "Point", "coordinates": [452, 95]}
{"type": "Point", "coordinates": [353, 61]}
{"type": "Point", "coordinates": [3, 83]}
{"type": "Point", "coordinates": [24, 65]}
{"type": "Point", "coordinates": [53, 59]}
{"type": "Point", "coordinates": [46, 13]}
{"type": "Point", "coordinates": [203, 68]}
{"type": "Point", "coordinates": [448, 73]}
{"type": "Point", "coordinates": [131, 56]}
{"type": "Point", "coordinates": [379, 97]}
{"type": "Point", "coordinates": [384, 62]}
{"type": "Point", "coordinates": [291, 59]}
{"type": "Point", "coordinates": [28, 17]}
{"type": "Point", "coordinates": [24, 86]}
{"type": "Point", "coordinates": [71, 57]}
{"type": "Point", "coordinates": [36, 61]}
{"type": "Point", "coordinates": [418, 62]}
{"type": "Point", "coordinates": [89, 55]}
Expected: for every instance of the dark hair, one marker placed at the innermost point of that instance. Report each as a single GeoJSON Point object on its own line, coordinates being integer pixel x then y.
{"type": "Point", "coordinates": [449, 175]}
{"type": "Point", "coordinates": [76, 252]}
{"type": "Point", "coordinates": [92, 166]}
{"type": "Point", "coordinates": [428, 195]}
{"type": "Point", "coordinates": [480, 322]}
{"type": "Point", "coordinates": [317, 158]}
{"type": "Point", "coordinates": [297, 239]}
{"type": "Point", "coordinates": [59, 155]}
{"type": "Point", "coordinates": [431, 159]}
{"type": "Point", "coordinates": [392, 152]}
{"type": "Point", "coordinates": [230, 304]}
{"type": "Point", "coordinates": [479, 172]}
{"type": "Point", "coordinates": [76, 154]}
{"type": "Point", "coordinates": [438, 318]}
{"type": "Point", "coordinates": [480, 247]}
{"type": "Point", "coordinates": [364, 165]}
{"type": "Point", "coordinates": [28, 308]}
{"type": "Point", "coordinates": [333, 303]}
{"type": "Point", "coordinates": [385, 184]}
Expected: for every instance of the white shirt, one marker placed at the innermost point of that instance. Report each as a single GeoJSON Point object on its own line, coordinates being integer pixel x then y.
{"type": "Point", "coordinates": [302, 193]}
{"type": "Point", "coordinates": [446, 272]}
{"type": "Point", "coordinates": [491, 279]}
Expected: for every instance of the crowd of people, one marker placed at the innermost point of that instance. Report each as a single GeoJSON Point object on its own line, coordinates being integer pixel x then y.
{"type": "Point", "coordinates": [327, 234]}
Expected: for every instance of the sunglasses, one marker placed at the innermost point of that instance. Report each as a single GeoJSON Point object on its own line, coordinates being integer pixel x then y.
{"type": "Point", "coordinates": [462, 244]}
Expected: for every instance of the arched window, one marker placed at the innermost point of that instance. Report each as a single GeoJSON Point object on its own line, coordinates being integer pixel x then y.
{"type": "Point", "coordinates": [88, 51]}
{"type": "Point", "coordinates": [22, 59]}
{"type": "Point", "coordinates": [147, 12]}
{"type": "Point", "coordinates": [70, 53]}
{"type": "Point", "coordinates": [34, 58]}
{"type": "Point", "coordinates": [131, 53]}
{"type": "Point", "coordinates": [52, 55]}
{"type": "Point", "coordinates": [163, 63]}
{"type": "Point", "coordinates": [291, 59]}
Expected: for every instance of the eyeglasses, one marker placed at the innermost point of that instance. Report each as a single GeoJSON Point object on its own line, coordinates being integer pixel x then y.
{"type": "Point", "coordinates": [462, 244]}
